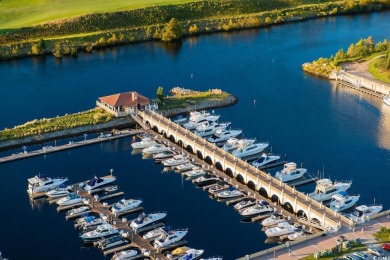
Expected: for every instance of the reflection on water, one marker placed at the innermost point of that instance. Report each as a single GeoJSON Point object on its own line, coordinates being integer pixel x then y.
{"type": "Point", "coordinates": [172, 48]}
{"type": "Point", "coordinates": [384, 129]}
{"type": "Point", "coordinates": [37, 204]}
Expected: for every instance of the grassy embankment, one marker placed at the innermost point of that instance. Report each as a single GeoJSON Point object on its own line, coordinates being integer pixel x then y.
{"type": "Point", "coordinates": [69, 26]}
{"type": "Point", "coordinates": [383, 235]}
{"type": "Point", "coordinates": [378, 69]}
{"type": "Point", "coordinates": [363, 50]}
{"type": "Point", "coordinates": [352, 249]}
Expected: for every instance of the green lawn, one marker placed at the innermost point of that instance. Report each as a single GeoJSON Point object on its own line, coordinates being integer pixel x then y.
{"type": "Point", "coordinates": [352, 249]}
{"type": "Point", "coordinates": [376, 68]}
{"type": "Point", "coordinates": [22, 13]}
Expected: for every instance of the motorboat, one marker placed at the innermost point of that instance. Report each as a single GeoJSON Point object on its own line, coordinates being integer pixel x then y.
{"type": "Point", "coordinates": [125, 254]}
{"type": "Point", "coordinates": [229, 193]}
{"type": "Point", "coordinates": [234, 143]}
{"type": "Point", "coordinates": [78, 210]}
{"type": "Point", "coordinates": [192, 254]}
{"type": "Point", "coordinates": [93, 224]}
{"type": "Point", "coordinates": [199, 118]}
{"type": "Point", "coordinates": [257, 209]}
{"type": "Point", "coordinates": [43, 183]}
{"type": "Point", "coordinates": [60, 191]}
{"type": "Point", "coordinates": [265, 159]}
{"type": "Point", "coordinates": [111, 188]}
{"type": "Point", "coordinates": [274, 219]}
{"type": "Point", "coordinates": [363, 213]}
{"type": "Point", "coordinates": [175, 160]}
{"type": "Point", "coordinates": [386, 100]}
{"type": "Point", "coordinates": [223, 135]}
{"type": "Point", "coordinates": [213, 258]}
{"type": "Point", "coordinates": [144, 220]}
{"type": "Point", "coordinates": [186, 167]}
{"type": "Point", "coordinates": [208, 129]}
{"type": "Point", "coordinates": [194, 173]}
{"type": "Point", "coordinates": [107, 243]}
{"type": "Point", "coordinates": [297, 235]}
{"type": "Point", "coordinates": [101, 231]}
{"type": "Point", "coordinates": [290, 172]}
{"type": "Point", "coordinates": [71, 199]}
{"type": "Point", "coordinates": [342, 201]}
{"type": "Point", "coordinates": [153, 234]}
{"type": "Point", "coordinates": [244, 204]}
{"type": "Point", "coordinates": [282, 228]}
{"type": "Point", "coordinates": [205, 180]}
{"type": "Point", "coordinates": [218, 188]}
{"type": "Point", "coordinates": [156, 148]}
{"type": "Point", "coordinates": [249, 150]}
{"type": "Point", "coordinates": [180, 119]}
{"type": "Point", "coordinates": [97, 182]}
{"type": "Point", "coordinates": [124, 205]}
{"type": "Point", "coordinates": [163, 156]}
{"type": "Point", "coordinates": [83, 220]}
{"type": "Point", "coordinates": [144, 143]}
{"type": "Point", "coordinates": [325, 189]}
{"type": "Point", "coordinates": [170, 237]}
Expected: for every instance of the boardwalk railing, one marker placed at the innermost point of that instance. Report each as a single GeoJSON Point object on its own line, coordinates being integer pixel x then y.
{"type": "Point", "coordinates": [373, 85]}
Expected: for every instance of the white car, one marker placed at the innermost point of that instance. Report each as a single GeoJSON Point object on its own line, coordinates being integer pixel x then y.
{"type": "Point", "coordinates": [375, 250]}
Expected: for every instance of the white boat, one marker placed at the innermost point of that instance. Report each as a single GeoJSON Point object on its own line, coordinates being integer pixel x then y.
{"type": "Point", "coordinates": [213, 258]}
{"type": "Point", "coordinates": [199, 118]}
{"type": "Point", "coordinates": [170, 237]}
{"type": "Point", "coordinates": [234, 143]}
{"type": "Point", "coordinates": [163, 156]}
{"type": "Point", "coordinates": [257, 209]}
{"type": "Point", "coordinates": [71, 199]}
{"type": "Point", "coordinates": [249, 150]}
{"type": "Point", "coordinates": [96, 182]}
{"type": "Point", "coordinates": [107, 243]}
{"type": "Point", "coordinates": [179, 119]}
{"type": "Point", "coordinates": [325, 189]}
{"type": "Point", "coordinates": [218, 187]}
{"type": "Point", "coordinates": [363, 213]}
{"type": "Point", "coordinates": [192, 254]}
{"type": "Point", "coordinates": [342, 201]}
{"type": "Point", "coordinates": [244, 204]}
{"type": "Point", "coordinates": [185, 167]}
{"type": "Point", "coordinates": [194, 173]}
{"type": "Point", "coordinates": [100, 232]}
{"type": "Point", "coordinates": [156, 148]}
{"type": "Point", "coordinates": [297, 235]}
{"type": "Point", "coordinates": [83, 220]}
{"type": "Point", "coordinates": [273, 220]}
{"type": "Point", "coordinates": [61, 191]}
{"type": "Point", "coordinates": [93, 224]}
{"type": "Point", "coordinates": [283, 228]}
{"type": "Point", "coordinates": [43, 183]}
{"type": "Point", "coordinates": [386, 100]}
{"type": "Point", "coordinates": [126, 254]}
{"type": "Point", "coordinates": [153, 234]}
{"type": "Point", "coordinates": [175, 160]}
{"type": "Point", "coordinates": [221, 136]}
{"type": "Point", "coordinates": [124, 205]}
{"type": "Point", "coordinates": [144, 220]}
{"type": "Point", "coordinates": [265, 159]}
{"type": "Point", "coordinates": [208, 129]}
{"type": "Point", "coordinates": [205, 180]}
{"type": "Point", "coordinates": [229, 193]}
{"type": "Point", "coordinates": [111, 188]}
{"type": "Point", "coordinates": [290, 172]}
{"type": "Point", "coordinates": [144, 143]}
{"type": "Point", "coordinates": [77, 210]}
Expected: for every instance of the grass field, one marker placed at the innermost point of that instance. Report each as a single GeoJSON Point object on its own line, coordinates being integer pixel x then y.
{"type": "Point", "coordinates": [22, 13]}
{"type": "Point", "coordinates": [376, 68]}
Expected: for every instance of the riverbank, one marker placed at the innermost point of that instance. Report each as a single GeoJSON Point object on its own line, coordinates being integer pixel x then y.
{"type": "Point", "coordinates": [114, 123]}
{"type": "Point", "coordinates": [92, 31]}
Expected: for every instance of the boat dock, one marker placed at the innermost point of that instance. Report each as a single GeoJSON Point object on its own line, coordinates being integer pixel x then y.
{"type": "Point", "coordinates": [70, 145]}
{"type": "Point", "coordinates": [272, 165]}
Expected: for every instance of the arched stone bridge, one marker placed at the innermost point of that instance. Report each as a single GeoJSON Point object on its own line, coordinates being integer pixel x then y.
{"type": "Point", "coordinates": [254, 178]}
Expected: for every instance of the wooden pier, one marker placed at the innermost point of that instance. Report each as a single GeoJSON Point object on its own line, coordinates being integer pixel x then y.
{"type": "Point", "coordinates": [303, 181]}
{"type": "Point", "coordinates": [260, 217]}
{"type": "Point", "coordinates": [130, 211]}
{"type": "Point", "coordinates": [70, 145]}
{"type": "Point", "coordinates": [117, 249]}
{"type": "Point", "coordinates": [111, 196]}
{"type": "Point", "coordinates": [272, 165]}
{"type": "Point", "coordinates": [234, 201]}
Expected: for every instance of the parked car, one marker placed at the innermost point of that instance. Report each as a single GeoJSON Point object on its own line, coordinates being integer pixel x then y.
{"type": "Point", "coordinates": [361, 255]}
{"type": "Point", "coordinates": [375, 250]}
{"type": "Point", "coordinates": [386, 246]}
{"type": "Point", "coordinates": [352, 257]}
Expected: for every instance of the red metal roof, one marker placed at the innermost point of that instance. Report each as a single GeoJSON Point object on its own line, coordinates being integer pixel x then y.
{"type": "Point", "coordinates": [129, 99]}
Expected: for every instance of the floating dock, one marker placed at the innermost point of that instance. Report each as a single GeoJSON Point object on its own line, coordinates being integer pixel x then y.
{"type": "Point", "coordinates": [272, 165]}
{"type": "Point", "coordinates": [111, 196]}
{"type": "Point", "coordinates": [303, 182]}
{"type": "Point", "coordinates": [234, 201]}
{"type": "Point", "coordinates": [77, 214]}
{"type": "Point", "coordinates": [117, 249]}
{"type": "Point", "coordinates": [260, 217]}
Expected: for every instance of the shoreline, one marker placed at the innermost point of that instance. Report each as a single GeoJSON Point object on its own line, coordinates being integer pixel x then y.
{"type": "Point", "coordinates": [116, 123]}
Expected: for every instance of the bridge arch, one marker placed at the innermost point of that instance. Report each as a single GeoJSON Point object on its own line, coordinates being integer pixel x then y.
{"type": "Point", "coordinates": [229, 172]}
{"type": "Point", "coordinates": [275, 198]}
{"type": "Point", "coordinates": [155, 129]}
{"type": "Point", "coordinates": [251, 185]}
{"type": "Point", "coordinates": [302, 214]}
{"type": "Point", "coordinates": [240, 178]}
{"type": "Point", "coordinates": [218, 166]}
{"type": "Point", "coordinates": [208, 160]}
{"type": "Point", "coordinates": [287, 206]}
{"type": "Point", "coordinates": [180, 143]}
{"type": "Point", "coordinates": [147, 123]}
{"type": "Point", "coordinates": [263, 192]}
{"type": "Point", "coordinates": [189, 149]}
{"type": "Point", "coordinates": [172, 138]}
{"type": "Point", "coordinates": [199, 154]}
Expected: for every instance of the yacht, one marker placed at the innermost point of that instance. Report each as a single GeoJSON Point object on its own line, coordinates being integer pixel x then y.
{"type": "Point", "coordinates": [257, 209]}
{"type": "Point", "coordinates": [93, 224]}
{"type": "Point", "coordinates": [282, 228]}
{"type": "Point", "coordinates": [249, 150]}
{"type": "Point", "coordinates": [265, 159]}
{"type": "Point", "coordinates": [124, 205]}
{"type": "Point", "coordinates": [386, 100]}
{"type": "Point", "coordinates": [43, 183]}
{"type": "Point", "coordinates": [198, 119]}
{"type": "Point", "coordinates": [273, 220]}
{"type": "Point", "coordinates": [163, 156]}
{"type": "Point", "coordinates": [244, 204]}
{"type": "Point", "coordinates": [290, 172]}
{"type": "Point", "coordinates": [107, 243]}
{"type": "Point", "coordinates": [175, 161]}
{"type": "Point", "coordinates": [100, 232]}
{"type": "Point", "coordinates": [83, 220]}
{"type": "Point", "coordinates": [58, 192]}
{"type": "Point", "coordinates": [342, 201]}
{"type": "Point", "coordinates": [325, 189]}
{"type": "Point", "coordinates": [77, 210]}
{"type": "Point", "coordinates": [229, 193]}
{"type": "Point", "coordinates": [234, 143]}
{"type": "Point", "coordinates": [205, 180]}
{"type": "Point", "coordinates": [153, 234]}
{"type": "Point", "coordinates": [194, 173]}
{"type": "Point", "coordinates": [144, 220]}
{"type": "Point", "coordinates": [71, 199]}
{"type": "Point", "coordinates": [363, 213]}
{"type": "Point", "coordinates": [218, 188]}
{"type": "Point", "coordinates": [156, 148]}
{"type": "Point", "coordinates": [125, 254]}
{"type": "Point", "coordinates": [144, 143]}
{"type": "Point", "coordinates": [170, 237]}
{"type": "Point", "coordinates": [297, 235]}
{"type": "Point", "coordinates": [192, 254]}
{"type": "Point", "coordinates": [180, 119]}
{"type": "Point", "coordinates": [221, 136]}
{"type": "Point", "coordinates": [213, 258]}
{"type": "Point", "coordinates": [208, 129]}
{"type": "Point", "coordinates": [96, 182]}
{"type": "Point", "coordinates": [186, 167]}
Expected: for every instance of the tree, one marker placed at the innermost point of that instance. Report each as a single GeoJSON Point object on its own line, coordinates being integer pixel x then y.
{"type": "Point", "coordinates": [193, 29]}
{"type": "Point", "coordinates": [340, 55]}
{"type": "Point", "coordinates": [41, 44]}
{"type": "Point", "coordinates": [172, 31]}
{"type": "Point", "coordinates": [35, 49]}
{"type": "Point", "coordinates": [160, 93]}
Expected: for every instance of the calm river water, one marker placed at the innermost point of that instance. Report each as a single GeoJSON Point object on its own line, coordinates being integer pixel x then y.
{"type": "Point", "coordinates": [308, 119]}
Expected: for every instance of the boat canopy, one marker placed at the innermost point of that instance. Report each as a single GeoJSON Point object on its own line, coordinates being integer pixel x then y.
{"type": "Point", "coordinates": [343, 193]}
{"type": "Point", "coordinates": [231, 189]}
{"type": "Point", "coordinates": [140, 218]}
{"type": "Point", "coordinates": [94, 180]}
